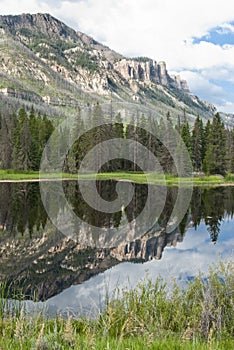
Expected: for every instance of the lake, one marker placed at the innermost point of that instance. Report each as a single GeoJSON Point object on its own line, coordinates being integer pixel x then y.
{"type": "Point", "coordinates": [110, 250]}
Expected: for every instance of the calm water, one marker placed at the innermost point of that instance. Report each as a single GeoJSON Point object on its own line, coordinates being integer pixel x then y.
{"type": "Point", "coordinates": [75, 274]}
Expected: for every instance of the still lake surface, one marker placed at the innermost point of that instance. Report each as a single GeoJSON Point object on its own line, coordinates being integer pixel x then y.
{"type": "Point", "coordinates": [75, 274]}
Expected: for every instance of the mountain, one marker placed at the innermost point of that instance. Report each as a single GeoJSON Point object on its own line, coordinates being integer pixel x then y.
{"type": "Point", "coordinates": [45, 62]}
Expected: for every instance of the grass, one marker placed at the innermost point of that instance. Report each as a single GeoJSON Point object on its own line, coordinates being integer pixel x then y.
{"type": "Point", "coordinates": [151, 316]}
{"type": "Point", "coordinates": [14, 175]}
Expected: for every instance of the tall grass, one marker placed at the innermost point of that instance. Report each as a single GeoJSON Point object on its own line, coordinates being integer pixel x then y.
{"type": "Point", "coordinates": [151, 316]}
{"type": "Point", "coordinates": [229, 177]}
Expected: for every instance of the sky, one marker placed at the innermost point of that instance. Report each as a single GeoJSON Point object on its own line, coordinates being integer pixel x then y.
{"type": "Point", "coordinates": [194, 37]}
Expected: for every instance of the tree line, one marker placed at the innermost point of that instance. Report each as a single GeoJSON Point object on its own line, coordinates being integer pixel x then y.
{"type": "Point", "coordinates": [23, 136]}
{"type": "Point", "coordinates": [210, 146]}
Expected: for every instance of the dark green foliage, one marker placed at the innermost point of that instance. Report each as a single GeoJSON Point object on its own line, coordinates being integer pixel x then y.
{"type": "Point", "coordinates": [24, 136]}
{"type": "Point", "coordinates": [197, 144]}
{"type": "Point", "coordinates": [8, 123]}
{"type": "Point", "coordinates": [25, 32]}
{"type": "Point", "coordinates": [186, 137]}
{"type": "Point", "coordinates": [22, 140]}
{"type": "Point", "coordinates": [210, 148]}
{"type": "Point", "coordinates": [215, 153]}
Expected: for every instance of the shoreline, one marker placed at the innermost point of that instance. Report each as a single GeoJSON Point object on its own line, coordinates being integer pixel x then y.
{"type": "Point", "coordinates": [162, 183]}
{"type": "Point", "coordinates": [11, 176]}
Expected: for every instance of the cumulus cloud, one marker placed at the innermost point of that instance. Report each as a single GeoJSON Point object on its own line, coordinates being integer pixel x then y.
{"type": "Point", "coordinates": [226, 107]}
{"type": "Point", "coordinates": [22, 6]}
{"type": "Point", "coordinates": [205, 84]}
{"type": "Point", "coordinates": [160, 29]}
{"type": "Point", "coordinates": [219, 73]}
{"type": "Point", "coordinates": [200, 85]}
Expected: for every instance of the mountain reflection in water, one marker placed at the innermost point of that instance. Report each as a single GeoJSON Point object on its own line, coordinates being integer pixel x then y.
{"type": "Point", "coordinates": [39, 260]}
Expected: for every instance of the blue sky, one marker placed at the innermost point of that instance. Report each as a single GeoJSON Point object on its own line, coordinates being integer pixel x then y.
{"type": "Point", "coordinates": [220, 35]}
{"type": "Point", "coordinates": [221, 76]}
{"type": "Point", "coordinates": [194, 38]}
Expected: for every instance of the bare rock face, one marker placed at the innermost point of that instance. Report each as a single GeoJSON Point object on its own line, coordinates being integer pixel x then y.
{"type": "Point", "coordinates": [136, 70]}
{"type": "Point", "coordinates": [163, 75]}
{"type": "Point", "coordinates": [149, 72]}
{"type": "Point", "coordinates": [179, 83]}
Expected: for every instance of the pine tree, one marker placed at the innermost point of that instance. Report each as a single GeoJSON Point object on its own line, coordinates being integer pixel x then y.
{"type": "Point", "coordinates": [6, 141]}
{"type": "Point", "coordinates": [118, 132]}
{"type": "Point", "coordinates": [77, 151]}
{"type": "Point", "coordinates": [186, 137]}
{"type": "Point", "coordinates": [197, 144]}
{"type": "Point", "coordinates": [169, 143]}
{"type": "Point", "coordinates": [34, 154]}
{"type": "Point", "coordinates": [22, 142]}
{"type": "Point", "coordinates": [214, 162]}
{"type": "Point", "coordinates": [131, 135]}
{"type": "Point", "coordinates": [229, 150]}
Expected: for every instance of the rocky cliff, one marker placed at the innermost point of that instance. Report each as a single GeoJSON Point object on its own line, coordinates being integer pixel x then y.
{"type": "Point", "coordinates": [148, 71]}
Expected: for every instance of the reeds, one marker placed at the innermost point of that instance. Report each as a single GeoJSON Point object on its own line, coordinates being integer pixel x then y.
{"type": "Point", "coordinates": [200, 316]}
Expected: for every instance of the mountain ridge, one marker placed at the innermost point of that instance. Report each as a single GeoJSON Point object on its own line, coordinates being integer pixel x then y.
{"type": "Point", "coordinates": [69, 68]}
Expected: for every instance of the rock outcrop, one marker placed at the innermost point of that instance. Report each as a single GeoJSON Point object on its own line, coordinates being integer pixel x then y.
{"type": "Point", "coordinates": [149, 71]}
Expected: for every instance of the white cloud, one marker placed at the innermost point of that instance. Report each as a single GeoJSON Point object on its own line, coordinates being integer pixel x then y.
{"type": "Point", "coordinates": [147, 27]}
{"type": "Point", "coordinates": [22, 6]}
{"type": "Point", "coordinates": [225, 28]}
{"type": "Point", "coordinates": [219, 73]}
{"type": "Point", "coordinates": [200, 85]}
{"type": "Point", "coordinates": [157, 29]}
{"type": "Point", "coordinates": [226, 107]}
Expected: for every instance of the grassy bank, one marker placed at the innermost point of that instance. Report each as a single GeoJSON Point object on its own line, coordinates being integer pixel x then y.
{"type": "Point", "coordinates": [148, 317]}
{"type": "Point", "coordinates": [12, 175]}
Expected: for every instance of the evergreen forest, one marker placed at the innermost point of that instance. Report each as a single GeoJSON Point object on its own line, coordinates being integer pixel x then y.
{"type": "Point", "coordinates": [24, 134]}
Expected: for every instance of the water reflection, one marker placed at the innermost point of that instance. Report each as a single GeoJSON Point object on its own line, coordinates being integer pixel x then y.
{"type": "Point", "coordinates": [39, 260]}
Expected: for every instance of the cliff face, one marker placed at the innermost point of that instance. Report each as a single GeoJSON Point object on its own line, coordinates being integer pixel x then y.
{"type": "Point", "coordinates": [149, 72]}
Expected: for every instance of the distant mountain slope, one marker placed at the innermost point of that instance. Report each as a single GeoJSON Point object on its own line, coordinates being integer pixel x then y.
{"type": "Point", "coordinates": [44, 61]}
